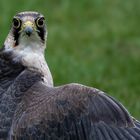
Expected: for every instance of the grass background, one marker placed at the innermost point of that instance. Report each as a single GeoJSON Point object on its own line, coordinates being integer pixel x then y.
{"type": "Point", "coordinates": [93, 42]}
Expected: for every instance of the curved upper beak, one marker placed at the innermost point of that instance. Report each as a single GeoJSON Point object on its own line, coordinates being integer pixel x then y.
{"type": "Point", "coordinates": [28, 27]}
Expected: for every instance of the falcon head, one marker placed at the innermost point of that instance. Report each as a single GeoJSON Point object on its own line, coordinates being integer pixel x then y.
{"type": "Point", "coordinates": [27, 36]}
{"type": "Point", "coordinates": [26, 43]}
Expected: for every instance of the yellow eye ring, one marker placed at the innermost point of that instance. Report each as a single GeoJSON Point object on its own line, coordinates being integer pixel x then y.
{"type": "Point", "coordinates": [16, 23]}
{"type": "Point", "coordinates": [40, 22]}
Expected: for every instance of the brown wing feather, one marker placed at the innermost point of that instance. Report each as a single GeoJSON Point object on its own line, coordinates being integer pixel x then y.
{"type": "Point", "coordinates": [72, 112]}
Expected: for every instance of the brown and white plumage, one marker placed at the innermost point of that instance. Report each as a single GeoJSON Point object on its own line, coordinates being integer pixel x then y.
{"type": "Point", "coordinates": [32, 109]}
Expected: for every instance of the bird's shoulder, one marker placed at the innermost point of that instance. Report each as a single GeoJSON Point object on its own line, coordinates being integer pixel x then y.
{"type": "Point", "coordinates": [8, 69]}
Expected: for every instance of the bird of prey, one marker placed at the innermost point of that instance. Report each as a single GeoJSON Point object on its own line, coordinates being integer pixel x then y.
{"type": "Point", "coordinates": [31, 108]}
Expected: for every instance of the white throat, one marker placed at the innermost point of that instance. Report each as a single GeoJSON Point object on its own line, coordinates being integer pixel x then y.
{"type": "Point", "coordinates": [30, 53]}
{"type": "Point", "coordinates": [36, 61]}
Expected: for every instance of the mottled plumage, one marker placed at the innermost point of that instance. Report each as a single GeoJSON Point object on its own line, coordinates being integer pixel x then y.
{"type": "Point", "coordinates": [31, 108]}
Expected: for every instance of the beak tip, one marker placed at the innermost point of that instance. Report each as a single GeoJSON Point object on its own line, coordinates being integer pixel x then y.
{"type": "Point", "coordinates": [28, 30]}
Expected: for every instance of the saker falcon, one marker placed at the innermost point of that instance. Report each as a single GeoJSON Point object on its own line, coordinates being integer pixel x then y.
{"type": "Point", "coordinates": [31, 108]}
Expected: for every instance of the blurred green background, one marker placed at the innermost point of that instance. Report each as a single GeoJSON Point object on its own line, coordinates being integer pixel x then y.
{"type": "Point", "coordinates": [93, 42]}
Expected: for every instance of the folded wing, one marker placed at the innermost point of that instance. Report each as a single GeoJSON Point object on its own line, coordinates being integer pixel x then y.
{"type": "Point", "coordinates": [72, 112]}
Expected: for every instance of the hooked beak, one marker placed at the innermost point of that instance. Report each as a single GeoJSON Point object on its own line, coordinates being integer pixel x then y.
{"type": "Point", "coordinates": [28, 27]}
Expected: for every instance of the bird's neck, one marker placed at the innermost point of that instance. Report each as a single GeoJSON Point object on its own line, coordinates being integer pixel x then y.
{"type": "Point", "coordinates": [36, 62]}
{"type": "Point", "coordinates": [32, 57]}
{"type": "Point", "coordinates": [30, 53]}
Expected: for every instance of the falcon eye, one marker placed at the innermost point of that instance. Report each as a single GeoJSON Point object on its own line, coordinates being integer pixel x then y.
{"type": "Point", "coordinates": [40, 22]}
{"type": "Point", "coordinates": [16, 23]}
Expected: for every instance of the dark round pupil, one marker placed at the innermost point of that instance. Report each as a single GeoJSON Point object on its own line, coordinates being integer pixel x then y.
{"type": "Point", "coordinates": [16, 22]}
{"type": "Point", "coordinates": [40, 22]}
